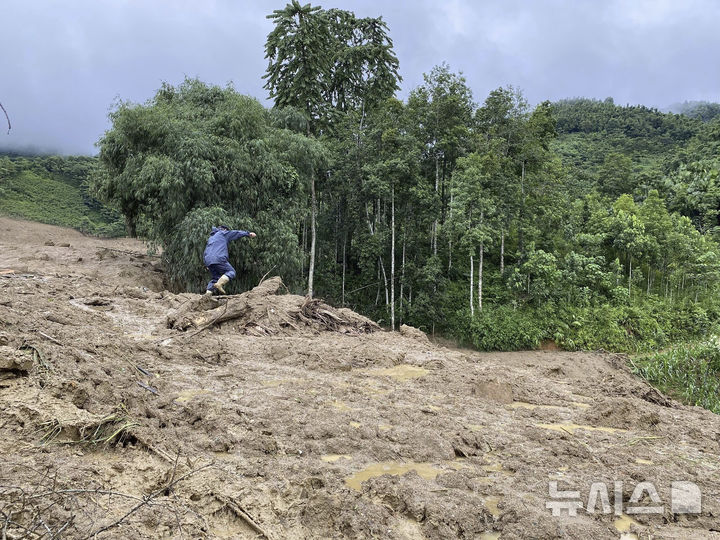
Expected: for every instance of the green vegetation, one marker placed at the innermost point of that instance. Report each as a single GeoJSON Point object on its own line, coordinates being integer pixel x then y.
{"type": "Point", "coordinates": [690, 373]}
{"type": "Point", "coordinates": [580, 222]}
{"type": "Point", "coordinates": [198, 156]}
{"type": "Point", "coordinates": [53, 189]}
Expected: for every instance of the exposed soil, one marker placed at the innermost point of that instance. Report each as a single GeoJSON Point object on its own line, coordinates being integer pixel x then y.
{"type": "Point", "coordinates": [130, 412]}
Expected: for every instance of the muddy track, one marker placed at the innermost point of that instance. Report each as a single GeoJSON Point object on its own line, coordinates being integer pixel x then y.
{"type": "Point", "coordinates": [130, 412]}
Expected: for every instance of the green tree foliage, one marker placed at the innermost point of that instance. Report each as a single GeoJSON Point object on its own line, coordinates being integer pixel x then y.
{"type": "Point", "coordinates": [195, 147]}
{"type": "Point", "coordinates": [324, 62]}
{"type": "Point", "coordinates": [55, 190]}
{"type": "Point", "coordinates": [502, 224]}
{"type": "Point", "coordinates": [704, 110]}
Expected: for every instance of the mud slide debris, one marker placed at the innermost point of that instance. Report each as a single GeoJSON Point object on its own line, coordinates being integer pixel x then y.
{"type": "Point", "coordinates": [127, 411]}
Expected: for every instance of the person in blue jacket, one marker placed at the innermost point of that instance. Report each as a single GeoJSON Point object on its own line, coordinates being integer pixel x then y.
{"type": "Point", "coordinates": [216, 256]}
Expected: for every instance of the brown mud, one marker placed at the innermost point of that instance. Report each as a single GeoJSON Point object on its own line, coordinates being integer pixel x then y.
{"type": "Point", "coordinates": [127, 411]}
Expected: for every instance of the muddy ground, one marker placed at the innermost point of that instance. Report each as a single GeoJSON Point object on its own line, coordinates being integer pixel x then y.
{"type": "Point", "coordinates": [130, 412]}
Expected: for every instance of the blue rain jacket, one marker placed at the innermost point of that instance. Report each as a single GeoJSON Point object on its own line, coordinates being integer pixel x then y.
{"type": "Point", "coordinates": [216, 250]}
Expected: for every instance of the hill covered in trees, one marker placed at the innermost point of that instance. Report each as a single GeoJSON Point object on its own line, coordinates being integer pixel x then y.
{"type": "Point", "coordinates": [482, 218]}
{"type": "Point", "coordinates": [55, 190]}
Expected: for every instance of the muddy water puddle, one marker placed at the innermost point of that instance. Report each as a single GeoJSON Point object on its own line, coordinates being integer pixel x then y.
{"type": "Point", "coordinates": [340, 405]}
{"type": "Point", "coordinates": [491, 503]}
{"type": "Point", "coordinates": [428, 471]}
{"type": "Point", "coordinates": [425, 470]}
{"type": "Point", "coordinates": [494, 467]}
{"type": "Point", "coordinates": [623, 524]}
{"type": "Point", "coordinates": [401, 372]}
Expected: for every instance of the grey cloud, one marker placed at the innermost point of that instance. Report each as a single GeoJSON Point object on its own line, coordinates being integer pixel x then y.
{"type": "Point", "coordinates": [66, 62]}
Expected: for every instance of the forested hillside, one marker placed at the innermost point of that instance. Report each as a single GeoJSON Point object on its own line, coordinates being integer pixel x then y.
{"type": "Point", "coordinates": [505, 226]}
{"type": "Point", "coordinates": [54, 189]}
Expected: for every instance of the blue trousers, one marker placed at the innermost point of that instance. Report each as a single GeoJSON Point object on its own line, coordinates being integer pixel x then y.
{"type": "Point", "coordinates": [217, 270]}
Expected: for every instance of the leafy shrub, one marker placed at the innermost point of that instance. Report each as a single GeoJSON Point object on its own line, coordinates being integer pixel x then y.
{"type": "Point", "coordinates": [688, 372]}
{"type": "Point", "coordinates": [505, 329]}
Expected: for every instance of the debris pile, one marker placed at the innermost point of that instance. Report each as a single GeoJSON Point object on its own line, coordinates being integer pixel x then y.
{"type": "Point", "coordinates": [263, 312]}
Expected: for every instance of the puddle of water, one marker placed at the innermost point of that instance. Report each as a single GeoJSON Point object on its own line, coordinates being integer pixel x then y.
{"type": "Point", "coordinates": [332, 458]}
{"type": "Point", "coordinates": [401, 372]}
{"type": "Point", "coordinates": [186, 395]}
{"type": "Point", "coordinates": [491, 503]}
{"type": "Point", "coordinates": [458, 464]}
{"type": "Point", "coordinates": [644, 462]}
{"type": "Point", "coordinates": [570, 428]}
{"type": "Point", "coordinates": [425, 470]}
{"type": "Point", "coordinates": [623, 524]}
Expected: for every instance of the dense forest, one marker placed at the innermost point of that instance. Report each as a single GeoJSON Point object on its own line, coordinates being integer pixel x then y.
{"type": "Point", "coordinates": [581, 222]}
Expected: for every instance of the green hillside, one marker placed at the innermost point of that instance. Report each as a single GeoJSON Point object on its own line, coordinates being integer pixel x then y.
{"type": "Point", "coordinates": [54, 190]}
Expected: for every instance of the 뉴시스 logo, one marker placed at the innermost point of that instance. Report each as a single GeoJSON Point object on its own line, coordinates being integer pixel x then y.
{"type": "Point", "coordinates": [685, 498]}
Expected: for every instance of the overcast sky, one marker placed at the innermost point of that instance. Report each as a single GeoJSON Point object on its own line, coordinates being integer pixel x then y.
{"type": "Point", "coordinates": [64, 63]}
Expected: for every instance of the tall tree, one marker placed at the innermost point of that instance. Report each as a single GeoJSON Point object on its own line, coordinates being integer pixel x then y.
{"type": "Point", "coordinates": [442, 108]}
{"type": "Point", "coordinates": [324, 62]}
